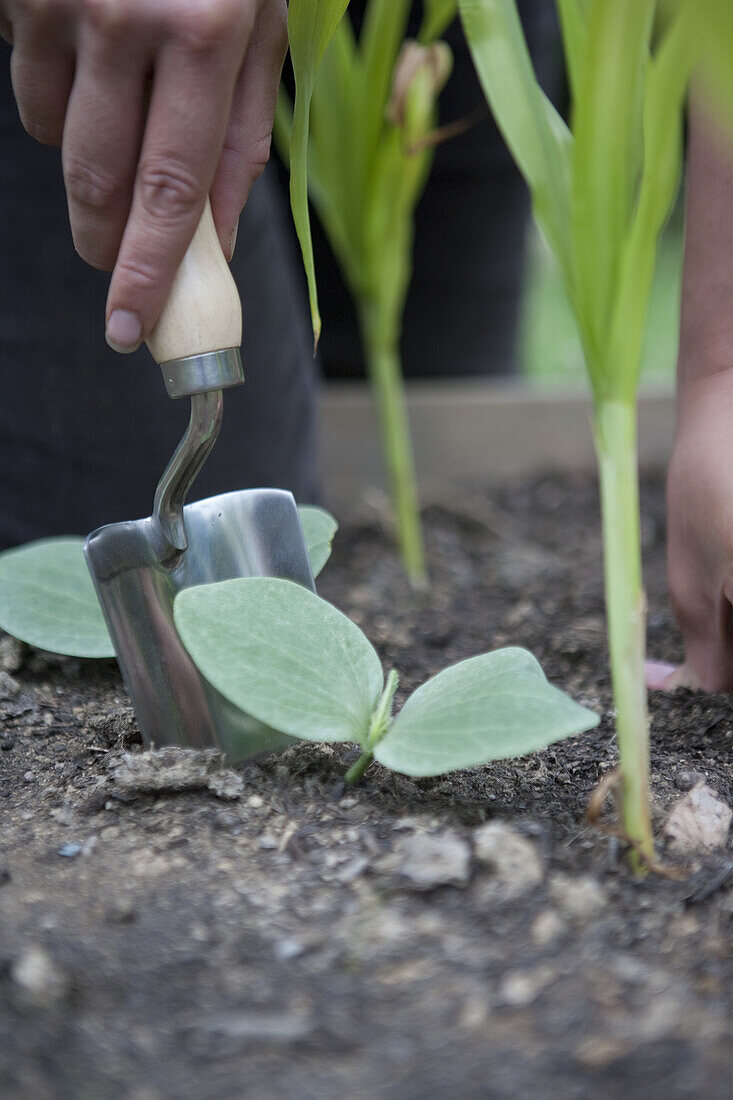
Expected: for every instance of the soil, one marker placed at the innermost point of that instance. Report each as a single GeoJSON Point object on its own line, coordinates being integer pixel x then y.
{"type": "Point", "coordinates": [301, 940]}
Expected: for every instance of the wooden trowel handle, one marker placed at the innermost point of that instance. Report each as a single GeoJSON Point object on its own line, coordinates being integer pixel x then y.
{"type": "Point", "coordinates": [203, 312]}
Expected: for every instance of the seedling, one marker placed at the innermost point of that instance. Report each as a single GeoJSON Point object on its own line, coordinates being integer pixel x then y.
{"type": "Point", "coordinates": [602, 191]}
{"type": "Point", "coordinates": [357, 138]}
{"type": "Point", "coordinates": [299, 665]}
{"type": "Point", "coordinates": [47, 598]}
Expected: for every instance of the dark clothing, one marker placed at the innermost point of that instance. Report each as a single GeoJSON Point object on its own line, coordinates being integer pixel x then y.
{"type": "Point", "coordinates": [85, 433]}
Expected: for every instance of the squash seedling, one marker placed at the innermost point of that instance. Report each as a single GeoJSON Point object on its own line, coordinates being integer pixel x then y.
{"type": "Point", "coordinates": [602, 190]}
{"type": "Point", "coordinates": [299, 665]}
{"type": "Point", "coordinates": [357, 139]}
{"type": "Point", "coordinates": [47, 597]}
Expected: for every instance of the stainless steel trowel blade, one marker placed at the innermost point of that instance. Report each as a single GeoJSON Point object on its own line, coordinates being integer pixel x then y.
{"type": "Point", "coordinates": [250, 533]}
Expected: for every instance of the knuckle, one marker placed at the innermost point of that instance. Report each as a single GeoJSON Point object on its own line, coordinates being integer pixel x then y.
{"type": "Point", "coordinates": [204, 25]}
{"type": "Point", "coordinates": [88, 185]}
{"type": "Point", "coordinates": [168, 189]}
{"type": "Point", "coordinates": [258, 154]}
{"type": "Point", "coordinates": [138, 274]}
{"type": "Point", "coordinates": [42, 10]}
{"type": "Point", "coordinates": [109, 17]}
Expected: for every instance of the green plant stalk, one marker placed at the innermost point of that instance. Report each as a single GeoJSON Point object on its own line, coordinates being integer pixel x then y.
{"type": "Point", "coordinates": [615, 435]}
{"type": "Point", "coordinates": [377, 728]}
{"type": "Point", "coordinates": [381, 347]}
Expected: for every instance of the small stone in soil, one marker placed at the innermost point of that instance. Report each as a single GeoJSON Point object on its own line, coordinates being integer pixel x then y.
{"type": "Point", "coordinates": [547, 927]}
{"type": "Point", "coordinates": [12, 654]}
{"type": "Point", "coordinates": [699, 821]}
{"type": "Point", "coordinates": [38, 978]}
{"type": "Point", "coordinates": [117, 725]}
{"type": "Point", "coordinates": [579, 898]}
{"type": "Point", "coordinates": [425, 861]}
{"type": "Point", "coordinates": [70, 850]}
{"type": "Point", "coordinates": [9, 687]}
{"type": "Point", "coordinates": [685, 779]}
{"type": "Point", "coordinates": [512, 859]}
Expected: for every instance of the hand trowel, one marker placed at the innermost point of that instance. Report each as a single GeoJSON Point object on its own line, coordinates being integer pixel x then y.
{"type": "Point", "coordinates": [139, 566]}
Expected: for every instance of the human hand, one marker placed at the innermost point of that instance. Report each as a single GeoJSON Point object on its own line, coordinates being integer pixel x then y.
{"type": "Point", "coordinates": [155, 104]}
{"type": "Point", "coordinates": [700, 538]}
{"type": "Point", "coordinates": [700, 479]}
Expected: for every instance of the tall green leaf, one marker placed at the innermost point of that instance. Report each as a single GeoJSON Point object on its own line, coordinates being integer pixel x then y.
{"type": "Point", "coordinates": [437, 17]}
{"type": "Point", "coordinates": [574, 27]}
{"type": "Point", "coordinates": [607, 125]}
{"type": "Point", "coordinates": [536, 135]}
{"type": "Point", "coordinates": [310, 28]}
{"type": "Point", "coordinates": [667, 78]}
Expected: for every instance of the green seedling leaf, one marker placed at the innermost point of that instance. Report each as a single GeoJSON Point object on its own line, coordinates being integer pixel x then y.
{"type": "Point", "coordinates": [47, 599]}
{"type": "Point", "coordinates": [537, 137]}
{"type": "Point", "coordinates": [491, 707]}
{"type": "Point", "coordinates": [319, 528]}
{"type": "Point", "coordinates": [437, 17]}
{"type": "Point", "coordinates": [310, 28]}
{"type": "Point", "coordinates": [283, 655]}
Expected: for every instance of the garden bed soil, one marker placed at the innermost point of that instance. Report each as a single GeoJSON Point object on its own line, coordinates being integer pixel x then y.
{"type": "Point", "coordinates": [303, 941]}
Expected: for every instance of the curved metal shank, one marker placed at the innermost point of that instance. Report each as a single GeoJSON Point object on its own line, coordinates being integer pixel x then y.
{"type": "Point", "coordinates": [182, 470]}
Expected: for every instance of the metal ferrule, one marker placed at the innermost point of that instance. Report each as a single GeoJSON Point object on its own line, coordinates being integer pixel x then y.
{"type": "Point", "coordinates": [215, 370]}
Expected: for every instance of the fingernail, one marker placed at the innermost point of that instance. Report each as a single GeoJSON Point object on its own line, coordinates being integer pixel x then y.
{"type": "Point", "coordinates": [233, 241]}
{"type": "Point", "coordinates": [124, 331]}
{"type": "Point", "coordinates": [657, 674]}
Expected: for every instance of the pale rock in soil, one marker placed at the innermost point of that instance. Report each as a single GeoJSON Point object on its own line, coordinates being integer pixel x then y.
{"type": "Point", "coordinates": [581, 898]}
{"type": "Point", "coordinates": [9, 687]}
{"type": "Point", "coordinates": [699, 821]}
{"type": "Point", "coordinates": [12, 654]}
{"type": "Point", "coordinates": [547, 927]}
{"type": "Point", "coordinates": [175, 769]}
{"type": "Point", "coordinates": [426, 861]}
{"type": "Point", "coordinates": [521, 987]}
{"type": "Point", "coordinates": [512, 859]}
{"type": "Point", "coordinates": [38, 978]}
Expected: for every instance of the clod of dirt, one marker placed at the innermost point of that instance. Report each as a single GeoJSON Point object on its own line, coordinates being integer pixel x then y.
{"type": "Point", "coordinates": [116, 726]}
{"type": "Point", "coordinates": [174, 769]}
{"type": "Point", "coordinates": [12, 654]}
{"type": "Point", "coordinates": [512, 859]}
{"type": "Point", "coordinates": [9, 687]}
{"type": "Point", "coordinates": [37, 978]}
{"type": "Point", "coordinates": [698, 821]}
{"type": "Point", "coordinates": [580, 898]}
{"type": "Point", "coordinates": [425, 862]}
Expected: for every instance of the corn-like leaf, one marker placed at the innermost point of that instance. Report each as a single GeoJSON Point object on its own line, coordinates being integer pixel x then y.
{"type": "Point", "coordinates": [714, 25]}
{"type": "Point", "coordinates": [665, 89]}
{"type": "Point", "coordinates": [310, 28]}
{"type": "Point", "coordinates": [607, 124]}
{"type": "Point", "coordinates": [536, 135]}
{"type": "Point", "coordinates": [574, 27]}
{"type": "Point", "coordinates": [385, 24]}
{"type": "Point", "coordinates": [437, 17]}
{"type": "Point", "coordinates": [283, 655]}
